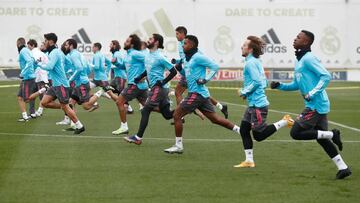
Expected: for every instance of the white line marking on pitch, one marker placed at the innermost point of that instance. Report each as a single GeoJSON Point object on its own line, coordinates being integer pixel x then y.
{"type": "Point", "coordinates": [295, 114]}
{"type": "Point", "coordinates": [155, 138]}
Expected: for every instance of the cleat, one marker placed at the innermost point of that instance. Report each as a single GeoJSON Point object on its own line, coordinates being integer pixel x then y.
{"type": "Point", "coordinates": [23, 119]}
{"type": "Point", "coordinates": [66, 121]}
{"type": "Point", "coordinates": [289, 120]}
{"type": "Point", "coordinates": [38, 114]}
{"type": "Point", "coordinates": [121, 131]}
{"type": "Point", "coordinates": [108, 88]}
{"type": "Point", "coordinates": [245, 164]}
{"type": "Point", "coordinates": [130, 112]}
{"type": "Point", "coordinates": [337, 139]}
{"type": "Point", "coordinates": [224, 110]}
{"type": "Point", "coordinates": [94, 107]}
{"type": "Point", "coordinates": [33, 115]}
{"type": "Point", "coordinates": [341, 174]}
{"type": "Point", "coordinates": [133, 139]}
{"type": "Point", "coordinates": [79, 130]}
{"type": "Point", "coordinates": [174, 150]}
{"type": "Point", "coordinates": [173, 123]}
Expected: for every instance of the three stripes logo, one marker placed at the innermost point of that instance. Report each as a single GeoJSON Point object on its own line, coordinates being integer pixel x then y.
{"type": "Point", "coordinates": [273, 44]}
{"type": "Point", "coordinates": [163, 22]}
{"type": "Point", "coordinates": [83, 40]}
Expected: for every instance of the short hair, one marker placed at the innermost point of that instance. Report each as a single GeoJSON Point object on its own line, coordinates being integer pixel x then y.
{"type": "Point", "coordinates": [135, 41]}
{"type": "Point", "coordinates": [62, 48]}
{"type": "Point", "coordinates": [310, 35]}
{"type": "Point", "coordinates": [181, 29]}
{"type": "Point", "coordinates": [257, 45]}
{"type": "Point", "coordinates": [98, 45]}
{"type": "Point", "coordinates": [117, 44]}
{"type": "Point", "coordinates": [32, 42]}
{"type": "Point", "coordinates": [51, 36]}
{"type": "Point", "coordinates": [72, 42]}
{"type": "Point", "coordinates": [193, 39]}
{"type": "Point", "coordinates": [159, 39]}
{"type": "Point", "coordinates": [21, 40]}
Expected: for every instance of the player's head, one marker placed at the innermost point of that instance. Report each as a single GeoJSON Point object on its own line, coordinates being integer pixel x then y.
{"type": "Point", "coordinates": [191, 42]}
{"type": "Point", "coordinates": [50, 39]}
{"type": "Point", "coordinates": [71, 44]}
{"type": "Point", "coordinates": [96, 47]}
{"type": "Point", "coordinates": [32, 44]}
{"type": "Point", "coordinates": [42, 47]}
{"type": "Point", "coordinates": [253, 45]}
{"type": "Point", "coordinates": [133, 41]}
{"type": "Point", "coordinates": [64, 47]}
{"type": "Point", "coordinates": [303, 40]}
{"type": "Point", "coordinates": [143, 45]}
{"type": "Point", "coordinates": [181, 32]}
{"type": "Point", "coordinates": [155, 41]}
{"type": "Point", "coordinates": [20, 42]}
{"type": "Point", "coordinates": [114, 46]}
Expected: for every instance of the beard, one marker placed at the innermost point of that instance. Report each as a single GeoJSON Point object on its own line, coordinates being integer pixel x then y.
{"type": "Point", "coordinates": [150, 45]}
{"type": "Point", "coordinates": [127, 47]}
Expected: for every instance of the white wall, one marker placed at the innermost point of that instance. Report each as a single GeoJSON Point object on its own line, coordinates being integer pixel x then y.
{"type": "Point", "coordinates": [221, 25]}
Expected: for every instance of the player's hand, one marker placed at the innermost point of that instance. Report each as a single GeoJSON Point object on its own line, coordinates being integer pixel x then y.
{"type": "Point", "coordinates": [274, 85]}
{"type": "Point", "coordinates": [307, 97]}
{"type": "Point", "coordinates": [178, 67]}
{"type": "Point", "coordinates": [159, 83]}
{"type": "Point", "coordinates": [173, 61]}
{"type": "Point", "coordinates": [201, 81]}
{"type": "Point", "coordinates": [243, 96]}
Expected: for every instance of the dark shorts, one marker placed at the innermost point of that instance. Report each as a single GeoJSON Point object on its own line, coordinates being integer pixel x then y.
{"type": "Point", "coordinates": [100, 83]}
{"type": "Point", "coordinates": [59, 92]}
{"type": "Point", "coordinates": [27, 87]}
{"type": "Point", "coordinates": [158, 96]}
{"type": "Point", "coordinates": [183, 82]}
{"type": "Point", "coordinates": [311, 119]}
{"type": "Point", "coordinates": [196, 101]}
{"type": "Point", "coordinates": [118, 84]}
{"type": "Point", "coordinates": [256, 117]}
{"type": "Point", "coordinates": [133, 92]}
{"type": "Point", "coordinates": [81, 94]}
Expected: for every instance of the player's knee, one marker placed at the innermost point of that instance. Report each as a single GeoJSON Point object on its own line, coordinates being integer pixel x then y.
{"type": "Point", "coordinates": [294, 133]}
{"type": "Point", "coordinates": [257, 136]}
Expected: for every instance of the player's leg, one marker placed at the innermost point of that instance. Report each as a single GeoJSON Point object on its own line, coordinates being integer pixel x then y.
{"type": "Point", "coordinates": [21, 98]}
{"type": "Point", "coordinates": [179, 91]}
{"type": "Point", "coordinates": [223, 107]}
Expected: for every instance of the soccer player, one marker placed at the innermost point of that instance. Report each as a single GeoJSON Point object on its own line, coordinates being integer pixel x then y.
{"type": "Point", "coordinates": [41, 79]}
{"type": "Point", "coordinates": [156, 64]}
{"type": "Point", "coordinates": [27, 74]}
{"type": "Point", "coordinates": [60, 88]}
{"type": "Point", "coordinates": [119, 80]}
{"type": "Point", "coordinates": [98, 62]}
{"type": "Point", "coordinates": [311, 78]}
{"type": "Point", "coordinates": [81, 92]}
{"type": "Point", "coordinates": [254, 118]}
{"type": "Point", "coordinates": [181, 86]}
{"type": "Point", "coordinates": [134, 63]}
{"type": "Point", "coordinates": [194, 69]}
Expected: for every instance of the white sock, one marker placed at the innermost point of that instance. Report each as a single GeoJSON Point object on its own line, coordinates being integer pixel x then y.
{"type": "Point", "coordinates": [98, 93]}
{"type": "Point", "coordinates": [178, 142]}
{"type": "Point", "coordinates": [325, 134]}
{"type": "Point", "coordinates": [92, 85]}
{"type": "Point", "coordinates": [137, 137]}
{"type": "Point", "coordinates": [236, 129]}
{"type": "Point", "coordinates": [219, 105]}
{"type": "Point", "coordinates": [95, 104]}
{"type": "Point", "coordinates": [40, 110]}
{"type": "Point", "coordinates": [140, 106]}
{"type": "Point", "coordinates": [42, 90]}
{"type": "Point", "coordinates": [129, 108]}
{"type": "Point", "coordinates": [124, 125]}
{"type": "Point", "coordinates": [339, 162]}
{"type": "Point", "coordinates": [281, 123]}
{"type": "Point", "coordinates": [24, 115]}
{"type": "Point", "coordinates": [249, 155]}
{"type": "Point", "coordinates": [78, 124]}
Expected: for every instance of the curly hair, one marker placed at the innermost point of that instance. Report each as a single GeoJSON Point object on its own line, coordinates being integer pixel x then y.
{"type": "Point", "coordinates": [257, 45]}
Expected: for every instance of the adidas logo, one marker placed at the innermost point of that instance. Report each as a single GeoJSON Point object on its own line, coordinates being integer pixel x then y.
{"type": "Point", "coordinates": [273, 44]}
{"type": "Point", "coordinates": [83, 40]}
{"type": "Point", "coordinates": [163, 22]}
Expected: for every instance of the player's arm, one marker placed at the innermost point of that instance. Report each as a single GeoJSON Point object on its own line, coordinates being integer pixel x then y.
{"type": "Point", "coordinates": [118, 61]}
{"type": "Point", "coordinates": [51, 63]}
{"type": "Point", "coordinates": [78, 67]}
{"type": "Point", "coordinates": [171, 69]}
{"type": "Point", "coordinates": [319, 70]}
{"type": "Point", "coordinates": [255, 80]}
{"type": "Point", "coordinates": [96, 62]}
{"type": "Point", "coordinates": [292, 86]}
{"type": "Point", "coordinates": [29, 61]}
{"type": "Point", "coordinates": [211, 65]}
{"type": "Point", "coordinates": [108, 65]}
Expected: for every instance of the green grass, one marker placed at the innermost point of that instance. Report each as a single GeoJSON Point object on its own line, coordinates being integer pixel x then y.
{"type": "Point", "coordinates": [41, 163]}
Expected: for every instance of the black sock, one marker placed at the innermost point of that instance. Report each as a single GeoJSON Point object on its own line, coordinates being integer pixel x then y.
{"type": "Point", "coordinates": [245, 129]}
{"type": "Point", "coordinates": [145, 114]}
